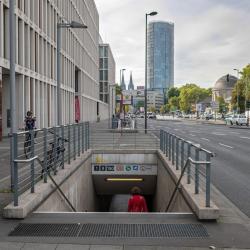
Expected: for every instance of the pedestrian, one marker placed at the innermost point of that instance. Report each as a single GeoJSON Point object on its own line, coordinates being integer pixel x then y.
{"type": "Point", "coordinates": [137, 202]}
{"type": "Point", "coordinates": [30, 122]}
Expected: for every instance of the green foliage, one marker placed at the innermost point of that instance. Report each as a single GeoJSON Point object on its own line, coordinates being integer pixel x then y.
{"type": "Point", "coordinates": [173, 92]}
{"type": "Point", "coordinates": [223, 106]}
{"type": "Point", "coordinates": [152, 109]}
{"type": "Point", "coordinates": [118, 89]}
{"type": "Point", "coordinates": [190, 94]}
{"type": "Point", "coordinates": [139, 104]}
{"type": "Point", "coordinates": [174, 103]}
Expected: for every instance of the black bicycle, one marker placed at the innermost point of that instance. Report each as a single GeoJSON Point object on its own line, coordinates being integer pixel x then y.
{"type": "Point", "coordinates": [54, 155]}
{"type": "Point", "coordinates": [27, 145]}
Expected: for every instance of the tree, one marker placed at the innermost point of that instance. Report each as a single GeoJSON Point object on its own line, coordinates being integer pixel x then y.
{"type": "Point", "coordinates": [173, 92]}
{"type": "Point", "coordinates": [223, 106]}
{"type": "Point", "coordinates": [174, 103]}
{"type": "Point", "coordinates": [139, 104]}
{"type": "Point", "coordinates": [118, 89]}
{"type": "Point", "coordinates": [190, 95]}
{"type": "Point", "coordinates": [163, 109]}
{"type": "Point", "coordinates": [152, 109]}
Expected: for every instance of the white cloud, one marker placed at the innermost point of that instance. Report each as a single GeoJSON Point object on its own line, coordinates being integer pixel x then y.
{"type": "Point", "coordinates": [211, 37]}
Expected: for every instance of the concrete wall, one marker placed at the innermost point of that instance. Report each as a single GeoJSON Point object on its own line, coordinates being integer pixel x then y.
{"type": "Point", "coordinates": [78, 189]}
{"type": "Point", "coordinates": [164, 189]}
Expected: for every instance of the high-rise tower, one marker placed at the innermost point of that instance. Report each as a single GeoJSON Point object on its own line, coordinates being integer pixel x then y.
{"type": "Point", "coordinates": [160, 49]}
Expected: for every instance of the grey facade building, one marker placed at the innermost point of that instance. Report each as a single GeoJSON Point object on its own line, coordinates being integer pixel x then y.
{"type": "Point", "coordinates": [122, 84]}
{"type": "Point", "coordinates": [160, 50]}
{"type": "Point", "coordinates": [107, 71]}
{"type": "Point", "coordinates": [36, 62]}
{"type": "Point", "coordinates": [155, 99]}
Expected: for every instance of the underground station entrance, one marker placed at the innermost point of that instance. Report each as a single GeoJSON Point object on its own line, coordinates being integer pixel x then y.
{"type": "Point", "coordinates": [91, 196]}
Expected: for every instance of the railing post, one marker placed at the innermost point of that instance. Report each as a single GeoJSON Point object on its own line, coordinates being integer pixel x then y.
{"type": "Point", "coordinates": [15, 172]}
{"type": "Point", "coordinates": [79, 139]}
{"type": "Point", "coordinates": [208, 176]}
{"type": "Point", "coordinates": [169, 146]}
{"type": "Point", "coordinates": [182, 154]}
{"type": "Point", "coordinates": [69, 142]}
{"type": "Point", "coordinates": [189, 164]}
{"type": "Point", "coordinates": [32, 172]}
{"type": "Point", "coordinates": [173, 149]}
{"type": "Point", "coordinates": [177, 153]}
{"type": "Point", "coordinates": [82, 125]}
{"type": "Point", "coordinates": [88, 136]}
{"type": "Point", "coordinates": [161, 139]}
{"type": "Point", "coordinates": [167, 138]}
{"type": "Point", "coordinates": [74, 140]}
{"type": "Point", "coordinates": [45, 154]}
{"type": "Point", "coordinates": [197, 157]}
{"type": "Point", "coordinates": [55, 151]}
{"type": "Point", "coordinates": [63, 149]}
{"type": "Point", "coordinates": [86, 143]}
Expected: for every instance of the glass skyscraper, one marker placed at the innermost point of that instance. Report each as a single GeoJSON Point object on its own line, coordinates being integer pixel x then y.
{"type": "Point", "coordinates": [160, 49]}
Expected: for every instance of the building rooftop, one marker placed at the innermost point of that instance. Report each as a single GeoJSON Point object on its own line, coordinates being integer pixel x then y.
{"type": "Point", "coordinates": [225, 82]}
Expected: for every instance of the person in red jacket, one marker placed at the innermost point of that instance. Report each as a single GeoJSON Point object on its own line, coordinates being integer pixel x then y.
{"type": "Point", "coordinates": [137, 202]}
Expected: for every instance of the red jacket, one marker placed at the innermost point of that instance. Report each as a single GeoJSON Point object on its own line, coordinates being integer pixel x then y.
{"type": "Point", "coordinates": [137, 203]}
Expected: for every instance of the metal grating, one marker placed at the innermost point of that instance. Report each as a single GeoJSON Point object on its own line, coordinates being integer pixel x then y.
{"type": "Point", "coordinates": [111, 230]}
{"type": "Point", "coordinates": [46, 230]}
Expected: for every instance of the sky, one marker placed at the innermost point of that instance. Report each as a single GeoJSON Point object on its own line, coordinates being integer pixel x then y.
{"type": "Point", "coordinates": [212, 37]}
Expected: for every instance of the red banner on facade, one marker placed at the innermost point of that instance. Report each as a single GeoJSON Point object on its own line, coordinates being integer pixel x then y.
{"type": "Point", "coordinates": [77, 109]}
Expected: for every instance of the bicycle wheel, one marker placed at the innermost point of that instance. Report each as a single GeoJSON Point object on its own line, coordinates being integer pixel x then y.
{"type": "Point", "coordinates": [27, 146]}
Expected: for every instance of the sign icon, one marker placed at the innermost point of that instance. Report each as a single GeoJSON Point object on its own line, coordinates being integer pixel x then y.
{"type": "Point", "coordinates": [96, 168]}
{"type": "Point", "coordinates": [110, 168]}
{"type": "Point", "coordinates": [128, 168]}
{"type": "Point", "coordinates": [103, 168]}
{"type": "Point", "coordinates": [119, 168]}
{"type": "Point", "coordinates": [135, 168]}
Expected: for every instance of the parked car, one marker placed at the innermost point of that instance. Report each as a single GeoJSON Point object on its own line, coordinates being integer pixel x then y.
{"type": "Point", "coordinates": [236, 119]}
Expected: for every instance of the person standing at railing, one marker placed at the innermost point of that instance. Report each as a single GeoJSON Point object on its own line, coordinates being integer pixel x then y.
{"type": "Point", "coordinates": [30, 122]}
{"type": "Point", "coordinates": [137, 202]}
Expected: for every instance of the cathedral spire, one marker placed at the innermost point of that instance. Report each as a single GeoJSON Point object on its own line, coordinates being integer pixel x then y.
{"type": "Point", "coordinates": [131, 84]}
{"type": "Point", "coordinates": [123, 85]}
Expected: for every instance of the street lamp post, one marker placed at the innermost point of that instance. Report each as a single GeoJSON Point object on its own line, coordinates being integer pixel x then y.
{"type": "Point", "coordinates": [13, 129]}
{"type": "Point", "coordinates": [73, 25]}
{"type": "Point", "coordinates": [146, 68]}
{"type": "Point", "coordinates": [237, 90]}
{"type": "Point", "coordinates": [111, 100]}
{"type": "Point", "coordinates": [121, 103]}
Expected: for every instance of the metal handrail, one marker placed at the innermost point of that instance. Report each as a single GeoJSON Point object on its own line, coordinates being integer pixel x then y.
{"type": "Point", "coordinates": [27, 160]}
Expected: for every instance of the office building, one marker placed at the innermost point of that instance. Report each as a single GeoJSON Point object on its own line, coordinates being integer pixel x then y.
{"type": "Point", "coordinates": [107, 71]}
{"type": "Point", "coordinates": [160, 75]}
{"type": "Point", "coordinates": [36, 25]}
{"type": "Point", "coordinates": [155, 99]}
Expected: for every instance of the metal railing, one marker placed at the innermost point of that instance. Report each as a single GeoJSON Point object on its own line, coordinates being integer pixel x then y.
{"type": "Point", "coordinates": [38, 153]}
{"type": "Point", "coordinates": [179, 151]}
{"type": "Point", "coordinates": [123, 139]}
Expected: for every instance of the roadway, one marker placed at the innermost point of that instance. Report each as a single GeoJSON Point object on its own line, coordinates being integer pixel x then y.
{"type": "Point", "coordinates": [231, 164]}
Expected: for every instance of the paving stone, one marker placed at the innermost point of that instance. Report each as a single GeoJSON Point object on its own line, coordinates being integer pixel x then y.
{"type": "Point", "coordinates": [38, 246]}
{"type": "Point", "coordinates": [72, 247]}
{"type": "Point", "coordinates": [11, 246]}
{"type": "Point", "coordinates": [106, 247]}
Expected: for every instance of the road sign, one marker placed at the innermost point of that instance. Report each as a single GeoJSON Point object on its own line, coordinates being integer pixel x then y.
{"type": "Point", "coordinates": [214, 105]}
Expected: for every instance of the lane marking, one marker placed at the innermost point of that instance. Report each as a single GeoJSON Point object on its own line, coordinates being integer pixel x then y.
{"type": "Point", "coordinates": [234, 133]}
{"type": "Point", "coordinates": [218, 133]}
{"type": "Point", "coordinates": [224, 145]}
{"type": "Point", "coordinates": [192, 135]}
{"type": "Point", "coordinates": [245, 137]}
{"type": "Point", "coordinates": [205, 139]}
